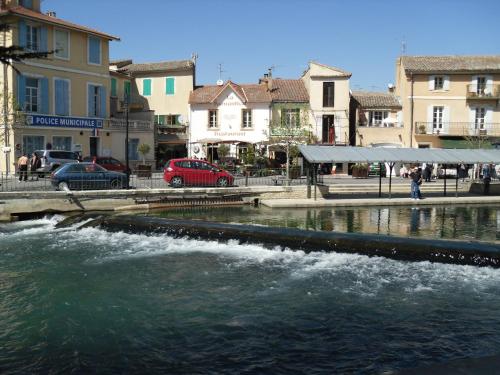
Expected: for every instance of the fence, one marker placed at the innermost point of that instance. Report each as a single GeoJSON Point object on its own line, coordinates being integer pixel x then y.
{"type": "Point", "coordinates": [82, 181]}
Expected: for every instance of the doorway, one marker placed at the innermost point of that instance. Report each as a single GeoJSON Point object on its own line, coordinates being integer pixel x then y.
{"type": "Point", "coordinates": [328, 131]}
{"type": "Point", "coordinates": [94, 146]}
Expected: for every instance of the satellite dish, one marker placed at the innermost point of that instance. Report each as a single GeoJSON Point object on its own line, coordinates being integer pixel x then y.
{"type": "Point", "coordinates": [180, 119]}
{"type": "Point", "coordinates": [196, 149]}
{"type": "Point", "coordinates": [220, 82]}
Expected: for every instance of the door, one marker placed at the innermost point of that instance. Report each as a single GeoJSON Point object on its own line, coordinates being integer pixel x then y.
{"type": "Point", "coordinates": [328, 131]}
{"type": "Point", "coordinates": [94, 145]}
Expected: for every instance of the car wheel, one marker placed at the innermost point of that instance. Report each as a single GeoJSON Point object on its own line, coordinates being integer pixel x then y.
{"type": "Point", "coordinates": [222, 182]}
{"type": "Point", "coordinates": [116, 184]}
{"type": "Point", "coordinates": [63, 186]}
{"type": "Point", "coordinates": [176, 182]}
{"type": "Point", "coordinates": [54, 167]}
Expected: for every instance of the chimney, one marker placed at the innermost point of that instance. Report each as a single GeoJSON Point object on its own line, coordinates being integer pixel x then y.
{"type": "Point", "coordinates": [391, 88]}
{"type": "Point", "coordinates": [51, 13]}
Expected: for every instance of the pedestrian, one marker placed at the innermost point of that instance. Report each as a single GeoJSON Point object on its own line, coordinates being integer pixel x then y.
{"type": "Point", "coordinates": [462, 172]}
{"type": "Point", "coordinates": [486, 179]}
{"type": "Point", "coordinates": [427, 173]}
{"type": "Point", "coordinates": [22, 165]}
{"type": "Point", "coordinates": [416, 180]}
{"type": "Point", "coordinates": [35, 163]}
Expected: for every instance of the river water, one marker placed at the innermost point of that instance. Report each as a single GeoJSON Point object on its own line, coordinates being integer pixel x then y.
{"type": "Point", "coordinates": [88, 301]}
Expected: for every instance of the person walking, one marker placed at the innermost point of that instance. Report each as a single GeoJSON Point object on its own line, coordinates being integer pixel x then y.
{"type": "Point", "coordinates": [486, 179]}
{"type": "Point", "coordinates": [35, 163]}
{"type": "Point", "coordinates": [22, 165]}
{"type": "Point", "coordinates": [416, 180]}
{"type": "Point", "coordinates": [427, 173]}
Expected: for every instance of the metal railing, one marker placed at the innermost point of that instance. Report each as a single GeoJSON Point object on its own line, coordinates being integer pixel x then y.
{"type": "Point", "coordinates": [136, 125]}
{"type": "Point", "coordinates": [483, 91]}
{"type": "Point", "coordinates": [381, 125]}
{"type": "Point", "coordinates": [478, 129]}
{"type": "Point", "coordinates": [153, 180]}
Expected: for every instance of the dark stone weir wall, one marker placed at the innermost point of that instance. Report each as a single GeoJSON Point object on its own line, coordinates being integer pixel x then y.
{"type": "Point", "coordinates": [402, 248]}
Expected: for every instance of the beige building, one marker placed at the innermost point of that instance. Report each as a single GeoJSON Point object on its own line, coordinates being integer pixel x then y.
{"type": "Point", "coordinates": [328, 90]}
{"type": "Point", "coordinates": [449, 101]}
{"type": "Point", "coordinates": [163, 88]}
{"type": "Point", "coordinates": [64, 98]}
{"type": "Point", "coordinates": [377, 119]}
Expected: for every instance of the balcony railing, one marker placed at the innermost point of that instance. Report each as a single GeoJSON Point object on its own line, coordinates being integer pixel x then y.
{"type": "Point", "coordinates": [381, 125]}
{"type": "Point", "coordinates": [479, 129]}
{"type": "Point", "coordinates": [133, 125]}
{"type": "Point", "coordinates": [483, 91]}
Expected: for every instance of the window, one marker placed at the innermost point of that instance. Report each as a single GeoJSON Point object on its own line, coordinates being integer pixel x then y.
{"type": "Point", "coordinates": [61, 143]}
{"type": "Point", "coordinates": [146, 87]}
{"type": "Point", "coordinates": [96, 101]}
{"type": "Point", "coordinates": [32, 143]}
{"type": "Point", "coordinates": [62, 95]}
{"type": "Point", "coordinates": [377, 117]}
{"type": "Point", "coordinates": [126, 87]}
{"type": "Point", "coordinates": [247, 118]}
{"type": "Point", "coordinates": [26, 3]}
{"type": "Point", "coordinates": [159, 119]}
{"type": "Point", "coordinates": [32, 35]}
{"type": "Point", "coordinates": [212, 118]}
{"type": "Point", "coordinates": [170, 86]}
{"type": "Point", "coordinates": [481, 85]}
{"type": "Point", "coordinates": [479, 117]}
{"type": "Point", "coordinates": [438, 83]}
{"type": "Point", "coordinates": [94, 50]}
{"type": "Point", "coordinates": [32, 98]}
{"type": "Point", "coordinates": [171, 120]}
{"type": "Point", "coordinates": [290, 117]}
{"type": "Point", "coordinates": [328, 94]}
{"type": "Point", "coordinates": [113, 86]}
{"type": "Point", "coordinates": [61, 43]}
{"type": "Point", "coordinates": [133, 154]}
{"type": "Point", "coordinates": [437, 118]}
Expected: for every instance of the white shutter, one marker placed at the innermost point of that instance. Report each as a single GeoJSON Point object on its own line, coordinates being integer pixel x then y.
{"type": "Point", "coordinates": [473, 85]}
{"type": "Point", "coordinates": [446, 83]}
{"type": "Point", "coordinates": [431, 83]}
{"type": "Point", "coordinates": [446, 119]}
{"type": "Point", "coordinates": [472, 120]}
{"type": "Point", "coordinates": [428, 127]}
{"type": "Point", "coordinates": [488, 117]}
{"type": "Point", "coordinates": [489, 85]}
{"type": "Point", "coordinates": [400, 119]}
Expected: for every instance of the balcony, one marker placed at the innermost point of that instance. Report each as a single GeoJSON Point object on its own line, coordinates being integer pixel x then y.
{"type": "Point", "coordinates": [462, 129]}
{"type": "Point", "coordinates": [133, 125]}
{"type": "Point", "coordinates": [483, 91]}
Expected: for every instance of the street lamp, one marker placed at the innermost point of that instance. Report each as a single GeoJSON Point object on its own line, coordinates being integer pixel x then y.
{"type": "Point", "coordinates": [127, 171]}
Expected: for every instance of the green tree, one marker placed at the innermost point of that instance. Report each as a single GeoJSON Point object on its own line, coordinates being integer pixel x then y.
{"type": "Point", "coordinates": [143, 149]}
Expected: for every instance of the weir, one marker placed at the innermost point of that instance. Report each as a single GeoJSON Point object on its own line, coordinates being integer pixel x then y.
{"type": "Point", "coordinates": [401, 248]}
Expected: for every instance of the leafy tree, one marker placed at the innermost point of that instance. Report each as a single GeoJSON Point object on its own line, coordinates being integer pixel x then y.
{"type": "Point", "coordinates": [143, 149]}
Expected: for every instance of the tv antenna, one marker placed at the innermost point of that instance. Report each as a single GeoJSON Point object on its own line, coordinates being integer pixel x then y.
{"type": "Point", "coordinates": [403, 47]}
{"type": "Point", "coordinates": [220, 71]}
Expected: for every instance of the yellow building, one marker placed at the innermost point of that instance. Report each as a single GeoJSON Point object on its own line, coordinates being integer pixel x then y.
{"type": "Point", "coordinates": [64, 98]}
{"type": "Point", "coordinates": [449, 101]}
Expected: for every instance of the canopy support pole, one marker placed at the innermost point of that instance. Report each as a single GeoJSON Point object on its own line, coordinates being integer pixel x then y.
{"type": "Point", "coordinates": [391, 165]}
{"type": "Point", "coordinates": [456, 183]}
{"type": "Point", "coordinates": [379, 179]}
{"type": "Point", "coordinates": [315, 179]}
{"type": "Point", "coordinates": [444, 177]}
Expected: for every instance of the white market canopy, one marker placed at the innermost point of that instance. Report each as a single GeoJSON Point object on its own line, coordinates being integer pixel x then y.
{"type": "Point", "coordinates": [339, 154]}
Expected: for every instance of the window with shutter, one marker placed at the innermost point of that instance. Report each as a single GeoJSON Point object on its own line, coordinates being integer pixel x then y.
{"type": "Point", "coordinates": [61, 87]}
{"type": "Point", "coordinates": [328, 94]}
{"type": "Point", "coordinates": [61, 43]}
{"type": "Point", "coordinates": [126, 87]}
{"type": "Point", "coordinates": [94, 50]}
{"type": "Point", "coordinates": [170, 86]}
{"type": "Point", "coordinates": [31, 95]}
{"type": "Point", "coordinates": [113, 86]}
{"type": "Point", "coordinates": [146, 87]}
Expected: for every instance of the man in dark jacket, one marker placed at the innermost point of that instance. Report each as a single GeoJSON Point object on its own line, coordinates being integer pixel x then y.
{"type": "Point", "coordinates": [35, 163]}
{"type": "Point", "coordinates": [416, 180]}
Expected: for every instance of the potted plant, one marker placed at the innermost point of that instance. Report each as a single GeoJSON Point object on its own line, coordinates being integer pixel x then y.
{"type": "Point", "coordinates": [422, 129]}
{"type": "Point", "coordinates": [360, 170]}
{"type": "Point", "coordinates": [144, 170]}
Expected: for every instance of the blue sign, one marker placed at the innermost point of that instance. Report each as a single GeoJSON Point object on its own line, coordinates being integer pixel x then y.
{"type": "Point", "coordinates": [64, 122]}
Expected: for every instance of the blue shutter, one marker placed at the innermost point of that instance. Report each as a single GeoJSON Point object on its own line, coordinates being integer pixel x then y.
{"type": "Point", "coordinates": [91, 109]}
{"type": "Point", "coordinates": [44, 85]}
{"type": "Point", "coordinates": [66, 98]}
{"type": "Point", "coordinates": [43, 39]}
{"type": "Point", "coordinates": [103, 101]}
{"type": "Point", "coordinates": [22, 34]}
{"type": "Point", "coordinates": [94, 50]}
{"type": "Point", "coordinates": [62, 97]}
{"type": "Point", "coordinates": [170, 85]}
{"type": "Point", "coordinates": [21, 91]}
{"type": "Point", "coordinates": [27, 4]}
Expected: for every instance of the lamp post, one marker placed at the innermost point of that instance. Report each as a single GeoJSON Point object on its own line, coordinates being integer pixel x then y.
{"type": "Point", "coordinates": [126, 138]}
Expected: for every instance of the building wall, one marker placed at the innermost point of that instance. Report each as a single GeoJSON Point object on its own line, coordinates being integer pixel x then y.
{"type": "Point", "coordinates": [368, 136]}
{"type": "Point", "coordinates": [230, 128]}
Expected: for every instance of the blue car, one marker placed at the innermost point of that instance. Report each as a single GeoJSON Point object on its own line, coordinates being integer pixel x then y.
{"type": "Point", "coordinates": [81, 176]}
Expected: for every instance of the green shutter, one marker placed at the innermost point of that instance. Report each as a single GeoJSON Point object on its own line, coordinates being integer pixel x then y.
{"type": "Point", "coordinates": [126, 87]}
{"type": "Point", "coordinates": [146, 87]}
{"type": "Point", "coordinates": [170, 86]}
{"type": "Point", "coordinates": [113, 86]}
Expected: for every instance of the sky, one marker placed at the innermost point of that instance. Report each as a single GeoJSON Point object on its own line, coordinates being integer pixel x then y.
{"type": "Point", "coordinates": [248, 37]}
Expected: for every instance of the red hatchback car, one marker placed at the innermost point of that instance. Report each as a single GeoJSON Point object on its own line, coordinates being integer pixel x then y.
{"type": "Point", "coordinates": [109, 163]}
{"type": "Point", "coordinates": [193, 172]}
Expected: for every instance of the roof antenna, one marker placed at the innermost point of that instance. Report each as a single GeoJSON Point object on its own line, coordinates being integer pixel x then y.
{"type": "Point", "coordinates": [403, 47]}
{"type": "Point", "coordinates": [220, 82]}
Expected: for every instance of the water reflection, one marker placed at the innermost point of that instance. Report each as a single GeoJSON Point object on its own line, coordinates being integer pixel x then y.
{"type": "Point", "coordinates": [461, 222]}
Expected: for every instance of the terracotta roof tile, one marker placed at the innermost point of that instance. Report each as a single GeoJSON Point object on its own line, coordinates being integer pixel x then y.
{"type": "Point", "coordinates": [28, 13]}
{"type": "Point", "coordinates": [429, 64]}
{"type": "Point", "coordinates": [376, 99]}
{"type": "Point", "coordinates": [249, 93]}
{"type": "Point", "coordinates": [289, 90]}
{"type": "Point", "coordinates": [158, 66]}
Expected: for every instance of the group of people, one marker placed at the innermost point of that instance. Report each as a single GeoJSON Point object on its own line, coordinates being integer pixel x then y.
{"type": "Point", "coordinates": [24, 163]}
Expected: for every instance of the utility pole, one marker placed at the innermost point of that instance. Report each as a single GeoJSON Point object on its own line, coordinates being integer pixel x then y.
{"type": "Point", "coordinates": [127, 109]}
{"type": "Point", "coordinates": [6, 110]}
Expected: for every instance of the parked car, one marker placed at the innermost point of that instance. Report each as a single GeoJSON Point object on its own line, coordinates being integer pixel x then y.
{"type": "Point", "coordinates": [81, 176]}
{"type": "Point", "coordinates": [193, 172]}
{"type": "Point", "coordinates": [53, 159]}
{"type": "Point", "coordinates": [374, 169]}
{"type": "Point", "coordinates": [111, 164]}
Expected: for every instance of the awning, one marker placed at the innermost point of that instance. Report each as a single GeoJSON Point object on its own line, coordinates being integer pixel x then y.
{"type": "Point", "coordinates": [334, 154]}
{"type": "Point", "coordinates": [218, 140]}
